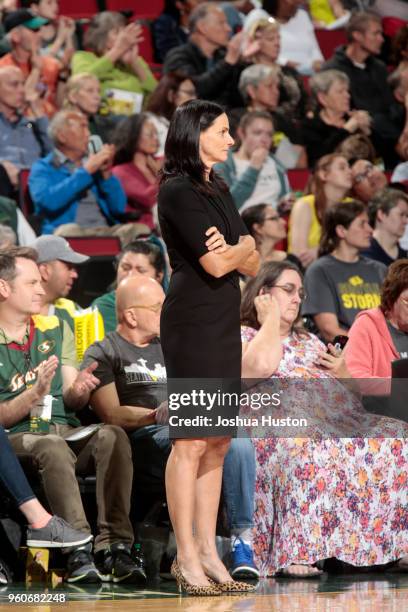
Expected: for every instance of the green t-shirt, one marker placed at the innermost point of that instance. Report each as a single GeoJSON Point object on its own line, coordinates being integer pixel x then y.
{"type": "Point", "coordinates": [106, 304]}
{"type": "Point", "coordinates": [47, 336]}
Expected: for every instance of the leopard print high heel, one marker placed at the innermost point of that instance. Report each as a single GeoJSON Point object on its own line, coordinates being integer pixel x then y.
{"type": "Point", "coordinates": [192, 589]}
{"type": "Point", "coordinates": [232, 586]}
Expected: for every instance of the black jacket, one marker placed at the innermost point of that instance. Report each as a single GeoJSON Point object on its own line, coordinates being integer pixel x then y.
{"type": "Point", "coordinates": [370, 91]}
{"type": "Point", "coordinates": [214, 79]}
{"type": "Point", "coordinates": [368, 87]}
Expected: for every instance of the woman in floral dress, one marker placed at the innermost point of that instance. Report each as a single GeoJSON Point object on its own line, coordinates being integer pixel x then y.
{"type": "Point", "coordinates": [324, 495]}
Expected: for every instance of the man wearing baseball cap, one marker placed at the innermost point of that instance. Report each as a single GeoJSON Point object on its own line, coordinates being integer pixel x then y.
{"type": "Point", "coordinates": [40, 72]}
{"type": "Point", "coordinates": [57, 263]}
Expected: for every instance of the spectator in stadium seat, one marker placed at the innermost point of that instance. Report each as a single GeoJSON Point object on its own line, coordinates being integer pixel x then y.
{"type": "Point", "coordinates": [113, 57]}
{"type": "Point", "coordinates": [252, 173]}
{"type": "Point", "coordinates": [310, 485]}
{"type": "Point", "coordinates": [398, 81]}
{"type": "Point", "coordinates": [368, 80]}
{"type": "Point", "coordinates": [57, 36]}
{"type": "Point", "coordinates": [138, 258]}
{"type": "Point", "coordinates": [380, 335]}
{"type": "Point", "coordinates": [133, 385]}
{"type": "Point", "coordinates": [57, 263]}
{"type": "Point", "coordinates": [170, 29]}
{"type": "Point", "coordinates": [367, 180]}
{"type": "Point", "coordinates": [83, 94]}
{"type": "Point", "coordinates": [22, 140]}
{"type": "Point", "coordinates": [267, 227]}
{"type": "Point", "coordinates": [136, 166]}
{"type": "Point", "coordinates": [259, 88]}
{"type": "Point", "coordinates": [40, 73]}
{"type": "Point", "coordinates": [44, 530]}
{"type": "Point", "coordinates": [68, 187]}
{"type": "Point", "coordinates": [342, 282]}
{"type": "Point", "coordinates": [209, 57]}
{"type": "Point", "coordinates": [329, 185]}
{"type": "Point", "coordinates": [263, 38]}
{"type": "Point", "coordinates": [299, 47]}
{"type": "Point", "coordinates": [332, 120]}
{"type": "Point", "coordinates": [388, 216]}
{"type": "Point", "coordinates": [173, 89]}
{"type": "Point", "coordinates": [39, 407]}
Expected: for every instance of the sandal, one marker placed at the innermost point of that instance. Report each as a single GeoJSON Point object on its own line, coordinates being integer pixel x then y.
{"type": "Point", "coordinates": [286, 572]}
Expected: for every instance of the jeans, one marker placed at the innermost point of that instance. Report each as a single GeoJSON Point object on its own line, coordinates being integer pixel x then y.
{"type": "Point", "coordinates": [151, 448]}
{"type": "Point", "coordinates": [11, 472]}
{"type": "Point", "coordinates": [238, 484]}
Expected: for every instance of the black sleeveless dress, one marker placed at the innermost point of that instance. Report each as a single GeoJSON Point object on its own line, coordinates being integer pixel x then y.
{"type": "Point", "coordinates": [200, 320]}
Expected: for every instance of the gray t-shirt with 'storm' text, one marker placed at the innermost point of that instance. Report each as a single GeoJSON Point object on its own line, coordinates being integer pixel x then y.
{"type": "Point", "coordinates": [342, 288]}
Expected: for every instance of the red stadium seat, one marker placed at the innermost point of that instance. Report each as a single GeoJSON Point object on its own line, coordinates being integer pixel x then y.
{"type": "Point", "coordinates": [298, 178]}
{"type": "Point", "coordinates": [78, 8]}
{"type": "Point", "coordinates": [329, 40]}
{"type": "Point", "coordinates": [95, 246]}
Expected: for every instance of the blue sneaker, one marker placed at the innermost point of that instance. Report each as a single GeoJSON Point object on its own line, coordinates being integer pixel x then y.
{"type": "Point", "coordinates": [243, 565]}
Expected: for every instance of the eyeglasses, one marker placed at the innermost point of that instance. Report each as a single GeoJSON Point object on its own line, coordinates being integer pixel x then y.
{"type": "Point", "coordinates": [291, 290]}
{"type": "Point", "coordinates": [274, 218]}
{"type": "Point", "coordinates": [153, 308]}
{"type": "Point", "coordinates": [363, 175]}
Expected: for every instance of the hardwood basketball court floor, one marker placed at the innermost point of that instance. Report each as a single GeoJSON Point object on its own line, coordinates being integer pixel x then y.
{"type": "Point", "coordinates": [371, 592]}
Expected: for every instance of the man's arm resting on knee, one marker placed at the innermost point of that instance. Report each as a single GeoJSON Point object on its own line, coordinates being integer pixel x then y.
{"type": "Point", "coordinates": [105, 403]}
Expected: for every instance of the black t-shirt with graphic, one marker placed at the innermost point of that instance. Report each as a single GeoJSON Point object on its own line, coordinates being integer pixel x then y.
{"type": "Point", "coordinates": [138, 372]}
{"type": "Point", "coordinates": [343, 288]}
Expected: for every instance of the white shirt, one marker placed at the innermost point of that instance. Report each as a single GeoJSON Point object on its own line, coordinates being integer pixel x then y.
{"type": "Point", "coordinates": [267, 188]}
{"type": "Point", "coordinates": [298, 40]}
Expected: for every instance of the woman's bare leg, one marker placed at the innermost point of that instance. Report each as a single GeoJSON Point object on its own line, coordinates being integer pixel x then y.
{"type": "Point", "coordinates": [208, 491]}
{"type": "Point", "coordinates": [181, 480]}
{"type": "Point", "coordinates": [35, 513]}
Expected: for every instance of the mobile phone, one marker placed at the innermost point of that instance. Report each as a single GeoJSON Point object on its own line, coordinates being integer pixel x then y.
{"type": "Point", "coordinates": [95, 144]}
{"type": "Point", "coordinates": [340, 342]}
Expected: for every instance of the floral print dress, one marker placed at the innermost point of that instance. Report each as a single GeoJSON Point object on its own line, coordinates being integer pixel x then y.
{"type": "Point", "coordinates": [319, 498]}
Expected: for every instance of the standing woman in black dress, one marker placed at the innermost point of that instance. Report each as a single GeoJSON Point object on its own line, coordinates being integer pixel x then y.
{"type": "Point", "coordinates": [208, 245]}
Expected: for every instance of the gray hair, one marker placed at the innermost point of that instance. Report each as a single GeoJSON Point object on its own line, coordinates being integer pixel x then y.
{"type": "Point", "coordinates": [255, 74]}
{"type": "Point", "coordinates": [322, 81]}
{"type": "Point", "coordinates": [385, 201]}
{"type": "Point", "coordinates": [99, 28]}
{"type": "Point", "coordinates": [59, 122]}
{"type": "Point", "coordinates": [8, 237]}
{"type": "Point", "coordinates": [200, 12]}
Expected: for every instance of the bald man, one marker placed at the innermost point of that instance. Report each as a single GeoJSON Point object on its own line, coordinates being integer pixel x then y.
{"type": "Point", "coordinates": [22, 140]}
{"type": "Point", "coordinates": [133, 385]}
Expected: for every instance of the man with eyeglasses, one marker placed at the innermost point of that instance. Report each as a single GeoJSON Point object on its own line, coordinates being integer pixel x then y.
{"type": "Point", "coordinates": [41, 392]}
{"type": "Point", "coordinates": [367, 179]}
{"type": "Point", "coordinates": [131, 394]}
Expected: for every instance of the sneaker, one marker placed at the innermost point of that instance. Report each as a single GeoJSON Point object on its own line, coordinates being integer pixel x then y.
{"type": "Point", "coordinates": [116, 565]}
{"type": "Point", "coordinates": [81, 566]}
{"type": "Point", "coordinates": [243, 565]}
{"type": "Point", "coordinates": [56, 534]}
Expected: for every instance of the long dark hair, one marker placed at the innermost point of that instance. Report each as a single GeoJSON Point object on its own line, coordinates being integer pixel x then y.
{"type": "Point", "coordinates": [343, 214]}
{"type": "Point", "coordinates": [159, 102]}
{"type": "Point", "coordinates": [182, 149]}
{"type": "Point", "coordinates": [267, 277]}
{"type": "Point", "coordinates": [126, 137]}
